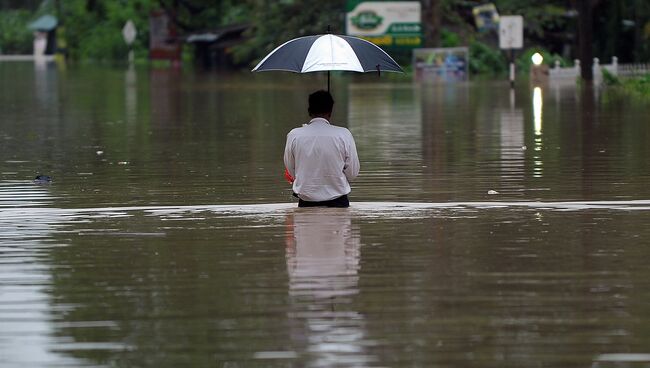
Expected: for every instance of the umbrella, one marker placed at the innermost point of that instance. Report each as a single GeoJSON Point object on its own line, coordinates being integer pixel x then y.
{"type": "Point", "coordinates": [328, 52]}
{"type": "Point", "coordinates": [45, 23]}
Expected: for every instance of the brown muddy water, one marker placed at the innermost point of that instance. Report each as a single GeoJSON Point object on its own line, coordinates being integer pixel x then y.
{"type": "Point", "coordinates": [168, 237]}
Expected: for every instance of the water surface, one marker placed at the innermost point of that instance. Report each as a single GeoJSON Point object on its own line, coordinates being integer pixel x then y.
{"type": "Point", "coordinates": [169, 238]}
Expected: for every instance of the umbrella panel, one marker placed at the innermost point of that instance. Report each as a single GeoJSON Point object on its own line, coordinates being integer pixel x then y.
{"type": "Point", "coordinates": [328, 52]}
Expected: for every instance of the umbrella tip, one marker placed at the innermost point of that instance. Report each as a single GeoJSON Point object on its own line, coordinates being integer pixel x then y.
{"type": "Point", "coordinates": [329, 29]}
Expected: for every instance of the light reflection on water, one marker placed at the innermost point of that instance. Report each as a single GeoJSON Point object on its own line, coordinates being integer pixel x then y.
{"type": "Point", "coordinates": [179, 244]}
{"type": "Point", "coordinates": [25, 327]}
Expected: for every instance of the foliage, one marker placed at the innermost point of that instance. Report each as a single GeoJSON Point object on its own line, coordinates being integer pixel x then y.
{"type": "Point", "coordinates": [449, 38]}
{"type": "Point", "coordinates": [610, 79]}
{"type": "Point", "coordinates": [94, 29]}
{"type": "Point", "coordinates": [484, 59]}
{"type": "Point", "coordinates": [540, 19]}
{"type": "Point", "coordinates": [198, 15]}
{"type": "Point", "coordinates": [276, 22]}
{"type": "Point", "coordinates": [15, 37]}
{"type": "Point", "coordinates": [635, 86]}
{"type": "Point", "coordinates": [640, 85]}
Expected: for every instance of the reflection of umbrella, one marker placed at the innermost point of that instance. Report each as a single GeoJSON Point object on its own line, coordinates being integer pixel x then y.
{"type": "Point", "coordinates": [45, 23]}
{"type": "Point", "coordinates": [328, 52]}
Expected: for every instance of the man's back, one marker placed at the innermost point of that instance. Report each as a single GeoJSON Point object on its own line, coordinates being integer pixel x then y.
{"type": "Point", "coordinates": [323, 159]}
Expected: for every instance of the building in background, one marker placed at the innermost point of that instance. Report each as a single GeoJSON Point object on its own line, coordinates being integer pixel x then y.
{"type": "Point", "coordinates": [163, 38]}
{"type": "Point", "coordinates": [213, 48]}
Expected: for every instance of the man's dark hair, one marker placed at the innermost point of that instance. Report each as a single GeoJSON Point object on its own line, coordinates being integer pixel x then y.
{"type": "Point", "coordinates": [320, 103]}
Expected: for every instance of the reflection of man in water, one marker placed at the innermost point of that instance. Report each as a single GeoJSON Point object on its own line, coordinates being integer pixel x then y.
{"type": "Point", "coordinates": [323, 265]}
{"type": "Point", "coordinates": [322, 254]}
{"type": "Point", "coordinates": [321, 157]}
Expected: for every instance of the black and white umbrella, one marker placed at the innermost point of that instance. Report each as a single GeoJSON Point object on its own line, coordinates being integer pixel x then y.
{"type": "Point", "coordinates": [326, 53]}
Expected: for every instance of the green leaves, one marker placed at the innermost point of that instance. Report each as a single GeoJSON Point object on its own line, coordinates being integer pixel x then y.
{"type": "Point", "coordinates": [95, 32]}
{"type": "Point", "coordinates": [484, 59]}
{"type": "Point", "coordinates": [15, 38]}
{"type": "Point", "coordinates": [277, 22]}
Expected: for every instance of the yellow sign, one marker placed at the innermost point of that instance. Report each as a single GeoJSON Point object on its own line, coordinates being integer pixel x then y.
{"type": "Point", "coordinates": [386, 40]}
{"type": "Point", "coordinates": [486, 16]}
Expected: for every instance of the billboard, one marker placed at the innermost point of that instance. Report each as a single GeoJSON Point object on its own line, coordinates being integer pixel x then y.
{"type": "Point", "coordinates": [391, 24]}
{"type": "Point", "coordinates": [441, 65]}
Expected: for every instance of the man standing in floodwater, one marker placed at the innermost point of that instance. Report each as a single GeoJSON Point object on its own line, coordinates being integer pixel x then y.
{"type": "Point", "coordinates": [322, 158]}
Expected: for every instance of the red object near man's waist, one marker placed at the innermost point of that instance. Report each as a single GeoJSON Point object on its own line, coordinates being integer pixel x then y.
{"type": "Point", "coordinates": [288, 176]}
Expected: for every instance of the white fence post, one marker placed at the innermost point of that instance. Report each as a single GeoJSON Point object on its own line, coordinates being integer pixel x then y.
{"type": "Point", "coordinates": [595, 69]}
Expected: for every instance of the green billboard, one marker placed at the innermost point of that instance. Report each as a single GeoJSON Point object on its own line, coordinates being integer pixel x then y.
{"type": "Point", "coordinates": [390, 24]}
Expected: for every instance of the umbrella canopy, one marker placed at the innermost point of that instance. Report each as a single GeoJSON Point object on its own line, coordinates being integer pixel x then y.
{"type": "Point", "coordinates": [45, 23]}
{"type": "Point", "coordinates": [328, 52]}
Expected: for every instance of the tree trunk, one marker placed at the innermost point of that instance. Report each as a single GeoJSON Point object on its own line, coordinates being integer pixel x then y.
{"type": "Point", "coordinates": [641, 12]}
{"type": "Point", "coordinates": [431, 22]}
{"type": "Point", "coordinates": [585, 47]}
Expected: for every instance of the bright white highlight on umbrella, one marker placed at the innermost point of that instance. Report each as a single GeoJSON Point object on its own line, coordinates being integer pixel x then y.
{"type": "Point", "coordinates": [537, 58]}
{"type": "Point", "coordinates": [331, 53]}
{"type": "Point", "coordinates": [537, 110]}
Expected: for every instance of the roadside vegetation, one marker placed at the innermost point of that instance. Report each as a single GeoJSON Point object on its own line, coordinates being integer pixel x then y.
{"type": "Point", "coordinates": [639, 86]}
{"type": "Point", "coordinates": [93, 27]}
{"type": "Point", "coordinates": [15, 38]}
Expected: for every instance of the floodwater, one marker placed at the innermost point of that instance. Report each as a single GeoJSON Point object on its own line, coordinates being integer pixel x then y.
{"type": "Point", "coordinates": [487, 229]}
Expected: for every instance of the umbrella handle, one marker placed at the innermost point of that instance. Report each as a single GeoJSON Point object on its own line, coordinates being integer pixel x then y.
{"type": "Point", "coordinates": [378, 71]}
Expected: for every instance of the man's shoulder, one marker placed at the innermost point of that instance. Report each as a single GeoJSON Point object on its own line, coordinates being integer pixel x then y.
{"type": "Point", "coordinates": [295, 131]}
{"type": "Point", "coordinates": [306, 131]}
{"type": "Point", "coordinates": [341, 130]}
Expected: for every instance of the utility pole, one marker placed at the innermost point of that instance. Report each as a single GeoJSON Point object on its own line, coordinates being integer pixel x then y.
{"type": "Point", "coordinates": [431, 22]}
{"type": "Point", "coordinates": [585, 40]}
{"type": "Point", "coordinates": [59, 13]}
{"type": "Point", "coordinates": [642, 9]}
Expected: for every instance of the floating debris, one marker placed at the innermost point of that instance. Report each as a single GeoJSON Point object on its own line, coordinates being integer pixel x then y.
{"type": "Point", "coordinates": [42, 179]}
{"type": "Point", "coordinates": [492, 192]}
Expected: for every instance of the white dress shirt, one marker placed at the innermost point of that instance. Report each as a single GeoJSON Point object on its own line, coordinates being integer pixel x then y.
{"type": "Point", "coordinates": [323, 160]}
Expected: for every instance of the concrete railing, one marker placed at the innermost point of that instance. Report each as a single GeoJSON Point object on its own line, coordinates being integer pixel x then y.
{"type": "Point", "coordinates": [558, 73]}
{"type": "Point", "coordinates": [569, 73]}
{"type": "Point", "coordinates": [47, 58]}
{"type": "Point", "coordinates": [625, 70]}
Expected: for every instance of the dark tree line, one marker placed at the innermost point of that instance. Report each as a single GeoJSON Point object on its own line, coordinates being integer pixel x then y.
{"type": "Point", "coordinates": [570, 28]}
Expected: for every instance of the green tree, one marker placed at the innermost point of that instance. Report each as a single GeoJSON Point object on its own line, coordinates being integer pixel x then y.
{"type": "Point", "coordinates": [94, 27]}
{"type": "Point", "coordinates": [199, 15]}
{"type": "Point", "coordinates": [15, 38]}
{"type": "Point", "coordinates": [275, 22]}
